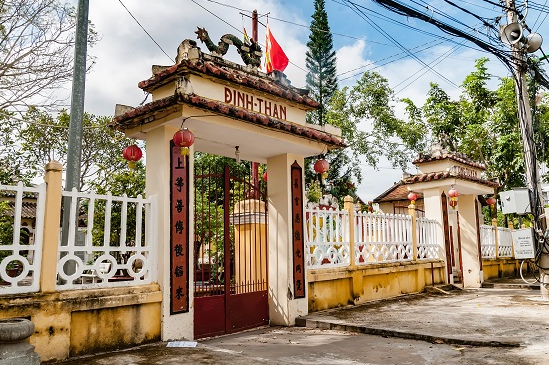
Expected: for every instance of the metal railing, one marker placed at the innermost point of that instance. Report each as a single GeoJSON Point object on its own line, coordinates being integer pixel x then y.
{"type": "Point", "coordinates": [505, 242]}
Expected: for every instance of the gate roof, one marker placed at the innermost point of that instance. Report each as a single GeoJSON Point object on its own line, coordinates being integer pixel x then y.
{"type": "Point", "coordinates": [226, 105]}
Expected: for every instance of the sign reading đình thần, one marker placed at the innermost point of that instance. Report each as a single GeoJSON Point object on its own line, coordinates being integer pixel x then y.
{"type": "Point", "coordinates": [254, 103]}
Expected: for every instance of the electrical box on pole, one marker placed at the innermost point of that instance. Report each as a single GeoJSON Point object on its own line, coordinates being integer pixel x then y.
{"type": "Point", "coordinates": [515, 201]}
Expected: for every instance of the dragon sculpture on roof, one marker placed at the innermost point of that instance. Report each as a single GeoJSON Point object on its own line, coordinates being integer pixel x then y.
{"type": "Point", "coordinates": [250, 52]}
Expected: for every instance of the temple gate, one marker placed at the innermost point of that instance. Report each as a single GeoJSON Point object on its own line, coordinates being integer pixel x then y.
{"type": "Point", "coordinates": [233, 111]}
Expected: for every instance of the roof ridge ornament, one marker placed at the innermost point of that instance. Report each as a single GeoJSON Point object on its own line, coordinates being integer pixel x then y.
{"type": "Point", "coordinates": [250, 53]}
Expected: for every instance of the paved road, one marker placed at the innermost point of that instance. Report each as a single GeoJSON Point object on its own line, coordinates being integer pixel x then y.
{"type": "Point", "coordinates": [284, 346]}
{"type": "Point", "coordinates": [491, 316]}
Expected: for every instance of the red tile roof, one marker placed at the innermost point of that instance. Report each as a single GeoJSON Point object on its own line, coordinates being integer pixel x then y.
{"type": "Point", "coordinates": [399, 191]}
{"type": "Point", "coordinates": [229, 71]}
{"type": "Point", "coordinates": [28, 209]}
{"type": "Point", "coordinates": [431, 176]}
{"type": "Point", "coordinates": [451, 156]}
{"type": "Point", "coordinates": [138, 116]}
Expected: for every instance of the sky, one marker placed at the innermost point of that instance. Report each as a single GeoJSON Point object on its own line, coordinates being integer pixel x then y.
{"type": "Point", "coordinates": [365, 36]}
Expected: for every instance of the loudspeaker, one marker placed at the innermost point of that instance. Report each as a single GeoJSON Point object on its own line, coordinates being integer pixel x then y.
{"type": "Point", "coordinates": [511, 33]}
{"type": "Point", "coordinates": [533, 42]}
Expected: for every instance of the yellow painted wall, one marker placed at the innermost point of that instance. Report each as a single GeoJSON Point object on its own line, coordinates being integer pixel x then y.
{"type": "Point", "coordinates": [73, 322]}
{"type": "Point", "coordinates": [331, 288]}
{"type": "Point", "coordinates": [113, 328]}
{"type": "Point", "coordinates": [500, 268]}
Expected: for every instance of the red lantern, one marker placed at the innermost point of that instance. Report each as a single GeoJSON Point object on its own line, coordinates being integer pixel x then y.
{"type": "Point", "coordinates": [321, 167]}
{"type": "Point", "coordinates": [183, 138]}
{"type": "Point", "coordinates": [412, 197]}
{"type": "Point", "coordinates": [265, 176]}
{"type": "Point", "coordinates": [453, 203]}
{"type": "Point", "coordinates": [491, 201]}
{"type": "Point", "coordinates": [453, 193]}
{"type": "Point", "coordinates": [133, 154]}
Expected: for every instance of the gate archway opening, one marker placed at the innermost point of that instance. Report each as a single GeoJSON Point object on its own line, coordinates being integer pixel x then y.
{"type": "Point", "coordinates": [230, 249]}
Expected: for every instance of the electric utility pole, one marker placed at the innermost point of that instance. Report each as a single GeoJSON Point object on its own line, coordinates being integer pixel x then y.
{"type": "Point", "coordinates": [74, 149]}
{"type": "Point", "coordinates": [528, 144]}
{"type": "Point", "coordinates": [74, 153]}
{"type": "Point", "coordinates": [255, 165]}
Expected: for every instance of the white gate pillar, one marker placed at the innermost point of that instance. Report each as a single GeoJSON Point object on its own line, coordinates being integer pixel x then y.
{"type": "Point", "coordinates": [468, 216]}
{"type": "Point", "coordinates": [283, 307]}
{"type": "Point", "coordinates": [174, 326]}
{"type": "Point", "coordinates": [433, 210]}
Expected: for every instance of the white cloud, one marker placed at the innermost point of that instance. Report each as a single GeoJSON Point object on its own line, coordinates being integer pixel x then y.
{"type": "Point", "coordinates": [125, 54]}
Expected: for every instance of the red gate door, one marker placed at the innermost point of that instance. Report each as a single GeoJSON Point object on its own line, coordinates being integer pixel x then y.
{"type": "Point", "coordinates": [230, 273]}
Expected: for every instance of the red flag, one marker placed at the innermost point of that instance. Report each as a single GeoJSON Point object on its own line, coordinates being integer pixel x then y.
{"type": "Point", "coordinates": [275, 58]}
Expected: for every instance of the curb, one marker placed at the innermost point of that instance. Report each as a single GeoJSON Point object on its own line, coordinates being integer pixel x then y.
{"type": "Point", "coordinates": [305, 322]}
{"type": "Point", "coordinates": [510, 286]}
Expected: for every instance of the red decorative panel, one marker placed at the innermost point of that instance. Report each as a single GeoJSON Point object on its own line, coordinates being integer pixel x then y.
{"type": "Point", "coordinates": [179, 232]}
{"type": "Point", "coordinates": [478, 235]}
{"type": "Point", "coordinates": [446, 227]}
{"type": "Point", "coordinates": [297, 229]}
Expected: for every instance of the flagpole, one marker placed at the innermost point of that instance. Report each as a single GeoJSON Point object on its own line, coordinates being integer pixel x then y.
{"type": "Point", "coordinates": [255, 165]}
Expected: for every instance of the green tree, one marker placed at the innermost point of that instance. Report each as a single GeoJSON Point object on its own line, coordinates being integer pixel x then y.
{"type": "Point", "coordinates": [11, 156]}
{"type": "Point", "coordinates": [483, 124]}
{"type": "Point", "coordinates": [322, 82]}
{"type": "Point", "coordinates": [321, 63]}
{"type": "Point", "coordinates": [42, 137]}
{"type": "Point", "coordinates": [122, 182]}
{"type": "Point", "coordinates": [370, 127]}
{"type": "Point", "coordinates": [36, 47]}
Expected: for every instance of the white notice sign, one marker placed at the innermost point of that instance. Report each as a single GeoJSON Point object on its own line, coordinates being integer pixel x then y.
{"type": "Point", "coordinates": [523, 243]}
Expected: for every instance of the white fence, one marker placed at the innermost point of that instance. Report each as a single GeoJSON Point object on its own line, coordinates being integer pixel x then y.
{"type": "Point", "coordinates": [109, 242]}
{"type": "Point", "coordinates": [383, 238]}
{"type": "Point", "coordinates": [327, 238]}
{"type": "Point", "coordinates": [488, 242]}
{"type": "Point", "coordinates": [427, 245]}
{"type": "Point", "coordinates": [505, 242]}
{"type": "Point", "coordinates": [21, 258]}
{"type": "Point", "coordinates": [378, 238]}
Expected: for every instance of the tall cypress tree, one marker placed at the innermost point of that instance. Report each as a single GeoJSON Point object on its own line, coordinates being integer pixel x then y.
{"type": "Point", "coordinates": [322, 83]}
{"type": "Point", "coordinates": [321, 63]}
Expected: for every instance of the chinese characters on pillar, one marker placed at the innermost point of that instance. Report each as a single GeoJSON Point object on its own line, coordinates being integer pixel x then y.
{"type": "Point", "coordinates": [297, 229]}
{"type": "Point", "coordinates": [179, 235]}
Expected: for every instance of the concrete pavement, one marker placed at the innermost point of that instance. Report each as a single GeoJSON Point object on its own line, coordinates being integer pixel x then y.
{"type": "Point", "coordinates": [511, 326]}
{"type": "Point", "coordinates": [480, 317]}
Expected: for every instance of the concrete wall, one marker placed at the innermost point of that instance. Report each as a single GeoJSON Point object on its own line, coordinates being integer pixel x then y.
{"type": "Point", "coordinates": [332, 288]}
{"type": "Point", "coordinates": [76, 322]}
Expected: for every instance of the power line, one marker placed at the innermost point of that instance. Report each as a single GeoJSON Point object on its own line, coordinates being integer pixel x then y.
{"type": "Point", "coordinates": [150, 36]}
{"type": "Point", "coordinates": [229, 6]}
{"type": "Point", "coordinates": [238, 30]}
{"type": "Point", "coordinates": [539, 14]}
{"type": "Point", "coordinates": [385, 34]}
{"type": "Point", "coordinates": [437, 60]}
{"type": "Point", "coordinates": [327, 31]}
{"type": "Point", "coordinates": [405, 55]}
